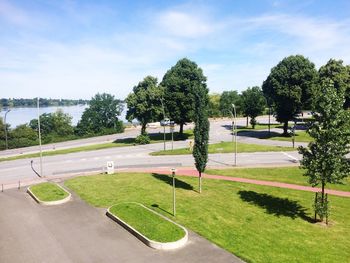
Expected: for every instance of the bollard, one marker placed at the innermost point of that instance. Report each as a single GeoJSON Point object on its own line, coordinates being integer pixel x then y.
{"type": "Point", "coordinates": [19, 185]}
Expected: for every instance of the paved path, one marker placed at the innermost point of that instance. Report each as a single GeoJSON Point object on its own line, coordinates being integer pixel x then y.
{"type": "Point", "coordinates": [77, 232]}
{"type": "Point", "coordinates": [192, 172]}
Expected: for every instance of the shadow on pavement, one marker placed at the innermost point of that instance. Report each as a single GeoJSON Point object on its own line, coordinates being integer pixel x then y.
{"type": "Point", "coordinates": [169, 180]}
{"type": "Point", "coordinates": [275, 205]}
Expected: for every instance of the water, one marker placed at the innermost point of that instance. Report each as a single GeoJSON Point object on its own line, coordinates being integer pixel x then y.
{"type": "Point", "coordinates": [19, 116]}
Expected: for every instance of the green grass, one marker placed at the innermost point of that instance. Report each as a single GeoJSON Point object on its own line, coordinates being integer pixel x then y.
{"type": "Point", "coordinates": [300, 136]}
{"type": "Point", "coordinates": [257, 223]}
{"type": "Point", "coordinates": [291, 175]}
{"type": "Point", "coordinates": [48, 192]}
{"type": "Point", "coordinates": [228, 147]}
{"type": "Point", "coordinates": [147, 223]}
{"type": "Point", "coordinates": [155, 138]}
{"type": "Point", "coordinates": [260, 126]}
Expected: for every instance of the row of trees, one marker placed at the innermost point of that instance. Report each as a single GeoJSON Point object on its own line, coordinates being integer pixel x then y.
{"type": "Point", "coordinates": [101, 117]}
{"type": "Point", "coordinates": [6, 103]}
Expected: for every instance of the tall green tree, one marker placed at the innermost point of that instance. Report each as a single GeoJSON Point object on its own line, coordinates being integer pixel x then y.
{"type": "Point", "coordinates": [201, 130]}
{"type": "Point", "coordinates": [227, 99]}
{"type": "Point", "coordinates": [214, 105]}
{"type": "Point", "coordinates": [101, 116]}
{"type": "Point", "coordinates": [179, 83]}
{"type": "Point", "coordinates": [253, 103]}
{"type": "Point", "coordinates": [290, 87]}
{"type": "Point", "coordinates": [340, 75]}
{"type": "Point", "coordinates": [325, 158]}
{"type": "Point", "coordinates": [144, 103]}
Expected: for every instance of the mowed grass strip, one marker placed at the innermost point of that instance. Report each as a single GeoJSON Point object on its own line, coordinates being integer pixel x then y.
{"type": "Point", "coordinates": [291, 175]}
{"type": "Point", "coordinates": [228, 147]}
{"type": "Point", "coordinates": [48, 192]}
{"type": "Point", "coordinates": [147, 223]}
{"type": "Point", "coordinates": [256, 223]}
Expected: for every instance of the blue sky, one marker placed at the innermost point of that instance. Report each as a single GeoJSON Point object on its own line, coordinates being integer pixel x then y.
{"type": "Point", "coordinates": [74, 49]}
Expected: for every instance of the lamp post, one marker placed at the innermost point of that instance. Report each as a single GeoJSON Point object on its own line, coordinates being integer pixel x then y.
{"type": "Point", "coordinates": [5, 127]}
{"type": "Point", "coordinates": [39, 133]}
{"type": "Point", "coordinates": [173, 170]}
{"type": "Point", "coordinates": [235, 131]}
{"type": "Point", "coordinates": [161, 100]}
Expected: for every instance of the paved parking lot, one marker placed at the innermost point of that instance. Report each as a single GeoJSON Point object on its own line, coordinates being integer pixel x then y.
{"type": "Point", "coordinates": [76, 232]}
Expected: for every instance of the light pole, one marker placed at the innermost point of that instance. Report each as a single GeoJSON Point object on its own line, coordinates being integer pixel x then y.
{"type": "Point", "coordinates": [235, 131]}
{"type": "Point", "coordinates": [5, 127]}
{"type": "Point", "coordinates": [39, 133]}
{"type": "Point", "coordinates": [173, 170]}
{"type": "Point", "coordinates": [161, 100]}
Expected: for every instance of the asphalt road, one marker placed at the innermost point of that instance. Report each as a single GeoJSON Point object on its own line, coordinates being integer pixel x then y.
{"type": "Point", "coordinates": [138, 156]}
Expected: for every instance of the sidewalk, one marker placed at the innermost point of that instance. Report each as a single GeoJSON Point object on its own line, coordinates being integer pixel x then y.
{"type": "Point", "coordinates": [194, 173]}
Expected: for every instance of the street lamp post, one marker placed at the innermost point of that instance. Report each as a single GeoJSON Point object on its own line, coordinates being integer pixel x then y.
{"type": "Point", "coordinates": [39, 133]}
{"type": "Point", "coordinates": [235, 131]}
{"type": "Point", "coordinates": [5, 127]}
{"type": "Point", "coordinates": [161, 100]}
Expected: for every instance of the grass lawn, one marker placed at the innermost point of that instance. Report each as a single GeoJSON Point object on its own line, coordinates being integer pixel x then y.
{"type": "Point", "coordinates": [257, 223]}
{"type": "Point", "coordinates": [260, 126]}
{"type": "Point", "coordinates": [227, 147]}
{"type": "Point", "coordinates": [147, 223]}
{"type": "Point", "coordinates": [155, 138]}
{"type": "Point", "coordinates": [48, 192]}
{"type": "Point", "coordinates": [300, 136]}
{"type": "Point", "coordinates": [292, 175]}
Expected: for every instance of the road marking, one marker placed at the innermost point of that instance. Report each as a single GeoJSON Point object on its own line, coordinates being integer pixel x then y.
{"type": "Point", "coordinates": [291, 157]}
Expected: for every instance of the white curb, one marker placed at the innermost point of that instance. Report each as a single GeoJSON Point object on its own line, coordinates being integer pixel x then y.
{"type": "Point", "coordinates": [151, 243]}
{"type": "Point", "coordinates": [56, 202]}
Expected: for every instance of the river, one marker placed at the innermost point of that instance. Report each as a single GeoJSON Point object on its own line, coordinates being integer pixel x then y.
{"type": "Point", "coordinates": [24, 115]}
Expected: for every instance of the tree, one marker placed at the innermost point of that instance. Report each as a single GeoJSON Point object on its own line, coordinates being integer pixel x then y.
{"type": "Point", "coordinates": [214, 105]}
{"type": "Point", "coordinates": [201, 130]}
{"type": "Point", "coordinates": [325, 158]}
{"type": "Point", "coordinates": [22, 136]}
{"type": "Point", "coordinates": [340, 75]}
{"type": "Point", "coordinates": [101, 116]}
{"type": "Point", "coordinates": [290, 87]}
{"type": "Point", "coordinates": [179, 83]}
{"type": "Point", "coordinates": [253, 103]}
{"type": "Point", "coordinates": [227, 99]}
{"type": "Point", "coordinates": [144, 103]}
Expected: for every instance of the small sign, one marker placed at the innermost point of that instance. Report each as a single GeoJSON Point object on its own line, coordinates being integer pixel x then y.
{"type": "Point", "coordinates": [110, 167]}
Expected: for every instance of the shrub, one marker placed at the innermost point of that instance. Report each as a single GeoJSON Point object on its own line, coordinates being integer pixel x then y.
{"type": "Point", "coordinates": [143, 139]}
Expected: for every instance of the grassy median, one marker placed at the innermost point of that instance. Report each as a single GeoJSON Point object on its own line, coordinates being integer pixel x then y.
{"type": "Point", "coordinates": [48, 192]}
{"type": "Point", "coordinates": [147, 223]}
{"type": "Point", "coordinates": [256, 223]}
{"type": "Point", "coordinates": [228, 147]}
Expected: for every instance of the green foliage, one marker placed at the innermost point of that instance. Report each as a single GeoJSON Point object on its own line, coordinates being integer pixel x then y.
{"type": "Point", "coordinates": [325, 158]}
{"type": "Point", "coordinates": [253, 103]}
{"type": "Point", "coordinates": [101, 116]}
{"type": "Point", "coordinates": [179, 83]}
{"type": "Point", "coordinates": [22, 136]}
{"type": "Point", "coordinates": [143, 139]}
{"type": "Point", "coordinates": [290, 87]}
{"type": "Point", "coordinates": [144, 103]}
{"type": "Point", "coordinates": [42, 102]}
{"type": "Point", "coordinates": [227, 99]}
{"type": "Point", "coordinates": [340, 75]}
{"type": "Point", "coordinates": [214, 105]}
{"type": "Point", "coordinates": [321, 206]}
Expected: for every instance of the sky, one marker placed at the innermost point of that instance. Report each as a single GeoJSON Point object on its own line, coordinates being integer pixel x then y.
{"type": "Point", "coordinates": [75, 49]}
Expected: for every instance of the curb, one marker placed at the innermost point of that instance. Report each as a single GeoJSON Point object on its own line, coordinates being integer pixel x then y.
{"type": "Point", "coordinates": [56, 202]}
{"type": "Point", "coordinates": [151, 243]}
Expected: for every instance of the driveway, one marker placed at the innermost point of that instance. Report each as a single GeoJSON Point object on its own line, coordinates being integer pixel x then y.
{"type": "Point", "coordinates": [77, 232]}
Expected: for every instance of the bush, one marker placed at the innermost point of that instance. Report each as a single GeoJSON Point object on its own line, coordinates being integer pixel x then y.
{"type": "Point", "coordinates": [143, 139]}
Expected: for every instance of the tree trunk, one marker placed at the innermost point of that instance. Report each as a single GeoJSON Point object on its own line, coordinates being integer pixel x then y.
{"type": "Point", "coordinates": [322, 199]}
{"type": "Point", "coordinates": [143, 128]}
{"type": "Point", "coordinates": [181, 129]}
{"type": "Point", "coordinates": [247, 122]}
{"type": "Point", "coordinates": [200, 182]}
{"type": "Point", "coordinates": [285, 128]}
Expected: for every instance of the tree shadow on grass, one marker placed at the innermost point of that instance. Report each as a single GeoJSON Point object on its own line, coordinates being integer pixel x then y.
{"type": "Point", "coordinates": [275, 205]}
{"type": "Point", "coordinates": [169, 180]}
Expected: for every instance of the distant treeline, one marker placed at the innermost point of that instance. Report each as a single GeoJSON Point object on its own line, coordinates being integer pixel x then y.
{"type": "Point", "coordinates": [42, 101]}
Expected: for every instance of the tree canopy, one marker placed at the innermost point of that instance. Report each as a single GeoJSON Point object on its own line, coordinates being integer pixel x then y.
{"type": "Point", "coordinates": [144, 103]}
{"type": "Point", "coordinates": [227, 99]}
{"type": "Point", "coordinates": [179, 83]}
{"type": "Point", "coordinates": [290, 87]}
{"type": "Point", "coordinates": [253, 103]}
{"type": "Point", "coordinates": [102, 114]}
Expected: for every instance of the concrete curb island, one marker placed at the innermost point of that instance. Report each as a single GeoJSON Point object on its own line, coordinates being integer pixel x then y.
{"type": "Point", "coordinates": [151, 243]}
{"type": "Point", "coordinates": [47, 203]}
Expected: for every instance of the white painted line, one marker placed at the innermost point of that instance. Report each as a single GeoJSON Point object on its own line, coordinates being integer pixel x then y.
{"type": "Point", "coordinates": [291, 157]}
